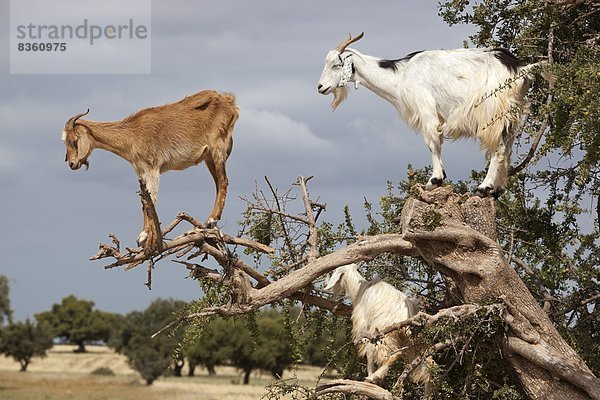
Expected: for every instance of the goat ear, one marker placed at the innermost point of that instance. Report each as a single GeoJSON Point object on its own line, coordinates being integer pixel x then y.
{"type": "Point", "coordinates": [83, 146]}
{"type": "Point", "coordinates": [333, 284]}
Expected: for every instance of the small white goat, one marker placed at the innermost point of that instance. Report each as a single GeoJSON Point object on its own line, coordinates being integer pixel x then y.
{"type": "Point", "coordinates": [443, 93]}
{"type": "Point", "coordinates": [154, 140]}
{"type": "Point", "coordinates": [376, 306]}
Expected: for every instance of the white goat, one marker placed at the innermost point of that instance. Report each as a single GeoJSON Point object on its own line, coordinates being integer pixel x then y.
{"type": "Point", "coordinates": [443, 93]}
{"type": "Point", "coordinates": [376, 306]}
{"type": "Point", "coordinates": [174, 136]}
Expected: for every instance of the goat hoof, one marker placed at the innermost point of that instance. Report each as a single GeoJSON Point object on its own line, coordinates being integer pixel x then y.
{"type": "Point", "coordinates": [497, 193]}
{"type": "Point", "coordinates": [483, 191]}
{"type": "Point", "coordinates": [434, 183]}
{"type": "Point", "coordinates": [141, 239]}
{"type": "Point", "coordinates": [489, 191]}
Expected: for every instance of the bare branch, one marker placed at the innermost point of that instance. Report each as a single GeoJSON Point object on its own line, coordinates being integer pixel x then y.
{"type": "Point", "coordinates": [362, 250]}
{"type": "Point", "coordinates": [198, 270]}
{"type": "Point", "coordinates": [347, 386]}
{"type": "Point", "coordinates": [285, 233]}
{"type": "Point", "coordinates": [281, 214]}
{"type": "Point", "coordinates": [536, 281]}
{"type": "Point", "coordinates": [150, 268]}
{"type": "Point", "coordinates": [590, 299]}
{"type": "Point", "coordinates": [312, 224]}
{"type": "Point", "coordinates": [193, 237]}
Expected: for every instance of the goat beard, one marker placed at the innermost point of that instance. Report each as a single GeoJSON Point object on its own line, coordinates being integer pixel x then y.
{"type": "Point", "coordinates": [339, 95]}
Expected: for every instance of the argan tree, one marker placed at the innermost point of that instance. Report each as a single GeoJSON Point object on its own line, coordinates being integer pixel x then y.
{"type": "Point", "coordinates": [259, 342]}
{"type": "Point", "coordinates": [150, 358]}
{"type": "Point", "coordinates": [24, 340]}
{"type": "Point", "coordinates": [509, 287]}
{"type": "Point", "coordinates": [5, 310]}
{"type": "Point", "coordinates": [76, 321]}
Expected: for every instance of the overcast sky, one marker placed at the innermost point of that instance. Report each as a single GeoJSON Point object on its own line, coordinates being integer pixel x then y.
{"type": "Point", "coordinates": [270, 54]}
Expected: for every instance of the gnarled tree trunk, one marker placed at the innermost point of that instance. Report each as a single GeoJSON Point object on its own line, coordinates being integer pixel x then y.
{"type": "Point", "coordinates": [457, 235]}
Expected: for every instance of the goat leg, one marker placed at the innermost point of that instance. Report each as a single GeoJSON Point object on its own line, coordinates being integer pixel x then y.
{"type": "Point", "coordinates": [219, 174]}
{"type": "Point", "coordinates": [153, 235]}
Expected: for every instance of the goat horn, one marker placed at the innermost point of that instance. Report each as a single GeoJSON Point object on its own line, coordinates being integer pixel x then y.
{"type": "Point", "coordinates": [71, 123]}
{"type": "Point", "coordinates": [342, 46]}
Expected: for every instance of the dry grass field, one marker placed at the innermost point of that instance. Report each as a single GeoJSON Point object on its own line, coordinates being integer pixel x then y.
{"type": "Point", "coordinates": [65, 375]}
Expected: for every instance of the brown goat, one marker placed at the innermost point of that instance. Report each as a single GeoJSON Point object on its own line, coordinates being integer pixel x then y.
{"type": "Point", "coordinates": [154, 140]}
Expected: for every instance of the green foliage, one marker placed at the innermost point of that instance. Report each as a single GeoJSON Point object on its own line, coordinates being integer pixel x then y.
{"type": "Point", "coordinates": [5, 310]}
{"type": "Point", "coordinates": [150, 357]}
{"type": "Point", "coordinates": [24, 340]}
{"type": "Point", "coordinates": [472, 365]}
{"type": "Point", "coordinates": [77, 322]}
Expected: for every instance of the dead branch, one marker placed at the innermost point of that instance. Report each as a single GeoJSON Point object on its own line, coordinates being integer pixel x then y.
{"type": "Point", "coordinates": [312, 224]}
{"type": "Point", "coordinates": [348, 386]}
{"type": "Point", "coordinates": [192, 237]}
{"type": "Point", "coordinates": [536, 281]}
{"type": "Point", "coordinates": [198, 271]}
{"type": "Point", "coordinates": [283, 227]}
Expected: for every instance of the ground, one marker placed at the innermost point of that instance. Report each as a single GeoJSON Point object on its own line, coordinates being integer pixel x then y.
{"type": "Point", "coordinates": [64, 375]}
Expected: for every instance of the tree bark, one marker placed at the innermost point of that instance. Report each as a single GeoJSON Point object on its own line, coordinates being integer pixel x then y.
{"type": "Point", "coordinates": [457, 236]}
{"type": "Point", "coordinates": [178, 367]}
{"type": "Point", "coordinates": [80, 347]}
{"type": "Point", "coordinates": [247, 376]}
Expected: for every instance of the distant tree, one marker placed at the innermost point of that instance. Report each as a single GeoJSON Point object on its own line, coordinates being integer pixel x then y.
{"type": "Point", "coordinates": [259, 342]}
{"type": "Point", "coordinates": [5, 311]}
{"type": "Point", "coordinates": [209, 349]}
{"type": "Point", "coordinates": [24, 340]}
{"type": "Point", "coordinates": [151, 358]}
{"type": "Point", "coordinates": [274, 349]}
{"type": "Point", "coordinates": [77, 322]}
{"type": "Point", "coordinates": [240, 350]}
